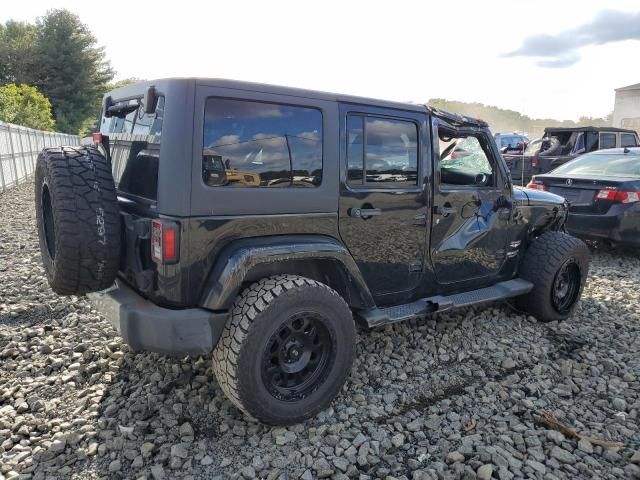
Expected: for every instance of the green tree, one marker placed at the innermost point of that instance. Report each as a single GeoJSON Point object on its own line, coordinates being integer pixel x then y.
{"type": "Point", "coordinates": [17, 46]}
{"type": "Point", "coordinates": [25, 105]}
{"type": "Point", "coordinates": [70, 69]}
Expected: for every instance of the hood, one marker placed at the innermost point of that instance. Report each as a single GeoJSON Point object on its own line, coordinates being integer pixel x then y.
{"type": "Point", "coordinates": [530, 197]}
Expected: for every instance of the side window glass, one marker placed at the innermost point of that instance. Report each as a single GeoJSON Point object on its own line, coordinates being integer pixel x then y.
{"type": "Point", "coordinates": [256, 144]}
{"type": "Point", "coordinates": [391, 153]}
{"type": "Point", "coordinates": [355, 149]}
{"type": "Point", "coordinates": [628, 140]}
{"type": "Point", "coordinates": [381, 152]}
{"type": "Point", "coordinates": [464, 161]}
{"type": "Point", "coordinates": [607, 140]}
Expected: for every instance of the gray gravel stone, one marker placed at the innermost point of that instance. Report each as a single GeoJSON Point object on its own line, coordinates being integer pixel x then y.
{"type": "Point", "coordinates": [485, 472]}
{"type": "Point", "coordinates": [76, 403]}
{"type": "Point", "coordinates": [562, 455]}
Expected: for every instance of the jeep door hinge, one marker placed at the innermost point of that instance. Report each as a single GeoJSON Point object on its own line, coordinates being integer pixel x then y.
{"type": "Point", "coordinates": [420, 219]}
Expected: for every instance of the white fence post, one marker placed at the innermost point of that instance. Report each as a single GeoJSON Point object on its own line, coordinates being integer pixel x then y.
{"type": "Point", "coordinates": [1, 166]}
{"type": "Point", "coordinates": [13, 156]}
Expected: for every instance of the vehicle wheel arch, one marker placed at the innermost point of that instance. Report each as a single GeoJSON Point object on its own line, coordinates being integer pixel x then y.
{"type": "Point", "coordinates": [321, 258]}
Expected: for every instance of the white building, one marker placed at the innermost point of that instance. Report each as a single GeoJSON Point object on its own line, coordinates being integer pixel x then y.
{"type": "Point", "coordinates": [626, 110]}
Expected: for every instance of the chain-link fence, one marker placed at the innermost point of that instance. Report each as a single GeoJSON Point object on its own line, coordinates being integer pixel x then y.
{"type": "Point", "coordinates": [19, 148]}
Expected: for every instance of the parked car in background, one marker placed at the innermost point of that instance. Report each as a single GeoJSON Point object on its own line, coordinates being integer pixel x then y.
{"type": "Point", "coordinates": [511, 142]}
{"type": "Point", "coordinates": [560, 145]}
{"type": "Point", "coordinates": [603, 191]}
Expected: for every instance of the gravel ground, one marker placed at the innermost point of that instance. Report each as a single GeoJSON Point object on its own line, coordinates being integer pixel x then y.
{"type": "Point", "coordinates": [454, 397]}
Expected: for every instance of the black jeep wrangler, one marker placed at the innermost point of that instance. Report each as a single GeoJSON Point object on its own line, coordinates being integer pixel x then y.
{"type": "Point", "coordinates": [257, 222]}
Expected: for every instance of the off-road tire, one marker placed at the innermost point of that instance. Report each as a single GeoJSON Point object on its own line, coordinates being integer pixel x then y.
{"type": "Point", "coordinates": [78, 219]}
{"type": "Point", "coordinates": [554, 146]}
{"type": "Point", "coordinates": [258, 312]}
{"type": "Point", "coordinates": [541, 264]}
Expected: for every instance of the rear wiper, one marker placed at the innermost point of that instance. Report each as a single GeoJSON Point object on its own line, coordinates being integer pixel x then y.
{"type": "Point", "coordinates": [120, 111]}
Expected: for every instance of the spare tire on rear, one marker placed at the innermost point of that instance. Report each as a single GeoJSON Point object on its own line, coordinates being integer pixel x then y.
{"type": "Point", "coordinates": [78, 219]}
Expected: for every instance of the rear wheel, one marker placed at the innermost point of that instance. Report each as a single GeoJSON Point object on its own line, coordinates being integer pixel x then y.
{"type": "Point", "coordinates": [557, 264]}
{"type": "Point", "coordinates": [286, 350]}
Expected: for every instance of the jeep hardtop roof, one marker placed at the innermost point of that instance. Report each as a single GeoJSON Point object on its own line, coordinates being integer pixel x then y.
{"type": "Point", "coordinates": [587, 129]}
{"type": "Point", "coordinates": [454, 118]}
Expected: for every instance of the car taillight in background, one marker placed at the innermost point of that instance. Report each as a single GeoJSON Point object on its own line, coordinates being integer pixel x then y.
{"type": "Point", "coordinates": [534, 161]}
{"type": "Point", "coordinates": [165, 241]}
{"type": "Point", "coordinates": [618, 196]}
{"type": "Point", "coordinates": [97, 138]}
{"type": "Point", "coordinates": [536, 185]}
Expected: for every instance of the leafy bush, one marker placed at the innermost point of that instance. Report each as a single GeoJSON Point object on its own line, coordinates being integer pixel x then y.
{"type": "Point", "coordinates": [25, 105]}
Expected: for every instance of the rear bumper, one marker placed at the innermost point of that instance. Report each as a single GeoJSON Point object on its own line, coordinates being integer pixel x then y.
{"type": "Point", "coordinates": [146, 326]}
{"type": "Point", "coordinates": [620, 225]}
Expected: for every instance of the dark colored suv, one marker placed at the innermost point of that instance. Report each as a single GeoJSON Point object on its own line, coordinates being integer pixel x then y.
{"type": "Point", "coordinates": [258, 222]}
{"type": "Point", "coordinates": [560, 145]}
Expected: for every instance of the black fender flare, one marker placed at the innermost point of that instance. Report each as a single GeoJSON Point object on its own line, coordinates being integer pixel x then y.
{"type": "Point", "coordinates": [245, 259]}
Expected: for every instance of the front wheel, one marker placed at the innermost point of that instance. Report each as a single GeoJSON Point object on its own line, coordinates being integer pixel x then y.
{"type": "Point", "coordinates": [557, 264]}
{"type": "Point", "coordinates": [286, 350]}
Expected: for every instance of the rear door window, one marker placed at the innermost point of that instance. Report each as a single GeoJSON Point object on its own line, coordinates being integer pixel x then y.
{"type": "Point", "coordinates": [259, 144]}
{"type": "Point", "coordinates": [607, 140]}
{"type": "Point", "coordinates": [628, 140]}
{"type": "Point", "coordinates": [382, 152]}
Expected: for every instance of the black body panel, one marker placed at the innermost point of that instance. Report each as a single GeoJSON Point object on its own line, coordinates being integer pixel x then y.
{"type": "Point", "coordinates": [251, 259]}
{"type": "Point", "coordinates": [233, 235]}
{"type": "Point", "coordinates": [471, 223]}
{"type": "Point", "coordinates": [389, 246]}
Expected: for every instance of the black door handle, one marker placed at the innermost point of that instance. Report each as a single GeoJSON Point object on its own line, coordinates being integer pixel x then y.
{"type": "Point", "coordinates": [445, 210]}
{"type": "Point", "coordinates": [364, 213]}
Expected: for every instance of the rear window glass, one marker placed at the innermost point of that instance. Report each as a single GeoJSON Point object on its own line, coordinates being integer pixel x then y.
{"type": "Point", "coordinates": [607, 140]}
{"type": "Point", "coordinates": [628, 140]}
{"type": "Point", "coordinates": [134, 146]}
{"type": "Point", "coordinates": [259, 144]}
{"type": "Point", "coordinates": [606, 165]}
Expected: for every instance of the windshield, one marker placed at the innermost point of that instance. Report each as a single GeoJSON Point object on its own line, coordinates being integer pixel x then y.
{"type": "Point", "coordinates": [465, 153]}
{"type": "Point", "coordinates": [604, 165]}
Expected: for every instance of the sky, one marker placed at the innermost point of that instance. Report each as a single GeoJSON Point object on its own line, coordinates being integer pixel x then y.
{"type": "Point", "coordinates": [545, 58]}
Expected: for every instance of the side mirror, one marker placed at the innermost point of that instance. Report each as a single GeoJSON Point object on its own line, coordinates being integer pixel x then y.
{"type": "Point", "coordinates": [149, 100]}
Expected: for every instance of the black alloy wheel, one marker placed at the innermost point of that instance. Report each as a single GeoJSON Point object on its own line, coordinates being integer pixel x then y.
{"type": "Point", "coordinates": [298, 357]}
{"type": "Point", "coordinates": [566, 286]}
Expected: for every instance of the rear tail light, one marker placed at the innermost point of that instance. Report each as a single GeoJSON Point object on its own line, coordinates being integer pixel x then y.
{"type": "Point", "coordinates": [536, 185]}
{"type": "Point", "coordinates": [618, 196]}
{"type": "Point", "coordinates": [97, 138]}
{"type": "Point", "coordinates": [165, 241]}
{"type": "Point", "coordinates": [534, 161]}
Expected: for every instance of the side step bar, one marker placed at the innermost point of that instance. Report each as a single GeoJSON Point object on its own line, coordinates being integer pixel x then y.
{"type": "Point", "coordinates": [439, 303]}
